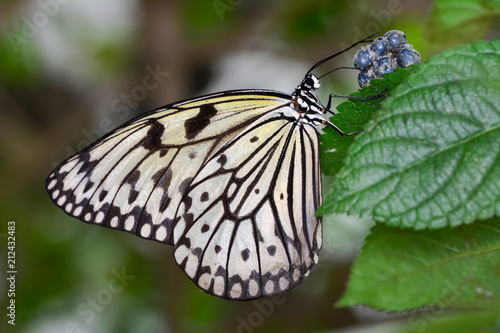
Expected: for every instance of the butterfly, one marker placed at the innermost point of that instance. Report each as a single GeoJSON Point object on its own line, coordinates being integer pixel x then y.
{"type": "Point", "coordinates": [232, 180]}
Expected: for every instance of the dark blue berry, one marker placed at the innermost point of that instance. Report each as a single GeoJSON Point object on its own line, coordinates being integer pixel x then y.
{"type": "Point", "coordinates": [397, 40]}
{"type": "Point", "coordinates": [364, 78]}
{"type": "Point", "coordinates": [362, 59]}
{"type": "Point", "coordinates": [380, 45]}
{"type": "Point", "coordinates": [408, 57]}
{"type": "Point", "coordinates": [385, 65]}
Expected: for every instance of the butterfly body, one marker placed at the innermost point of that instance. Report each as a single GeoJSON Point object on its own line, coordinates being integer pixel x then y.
{"type": "Point", "coordinates": [231, 180]}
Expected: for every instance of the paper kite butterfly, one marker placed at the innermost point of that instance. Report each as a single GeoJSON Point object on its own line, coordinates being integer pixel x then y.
{"type": "Point", "coordinates": [232, 180]}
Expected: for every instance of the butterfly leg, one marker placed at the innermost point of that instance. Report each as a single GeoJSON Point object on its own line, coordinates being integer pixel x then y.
{"type": "Point", "coordinates": [355, 97]}
{"type": "Point", "coordinates": [328, 123]}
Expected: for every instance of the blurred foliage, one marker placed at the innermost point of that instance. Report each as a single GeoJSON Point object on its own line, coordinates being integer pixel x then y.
{"type": "Point", "coordinates": [455, 22]}
{"type": "Point", "coordinates": [80, 65]}
{"type": "Point", "coordinates": [14, 73]}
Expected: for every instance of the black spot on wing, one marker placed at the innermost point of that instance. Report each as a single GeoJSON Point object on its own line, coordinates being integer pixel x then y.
{"type": "Point", "coordinates": [245, 254]}
{"type": "Point", "coordinates": [188, 201]}
{"type": "Point", "coordinates": [182, 264]}
{"type": "Point", "coordinates": [158, 174]}
{"type": "Point", "coordinates": [134, 177]}
{"type": "Point", "coordinates": [197, 252]}
{"type": "Point", "coordinates": [195, 125]}
{"type": "Point", "coordinates": [163, 178]}
{"type": "Point", "coordinates": [103, 195]}
{"type": "Point", "coordinates": [221, 271]}
{"type": "Point", "coordinates": [205, 270]}
{"type": "Point", "coordinates": [87, 165]}
{"type": "Point", "coordinates": [133, 196]}
{"type": "Point", "coordinates": [165, 202]}
{"type": "Point", "coordinates": [189, 218]}
{"type": "Point", "coordinates": [204, 197]}
{"type": "Point", "coordinates": [253, 139]}
{"type": "Point", "coordinates": [185, 241]}
{"type": "Point", "coordinates": [184, 185]}
{"type": "Point", "coordinates": [163, 152]}
{"type": "Point", "coordinates": [154, 135]}
{"type": "Point", "coordinates": [88, 186]}
{"type": "Point", "coordinates": [222, 159]}
{"type": "Point", "coordinates": [259, 236]}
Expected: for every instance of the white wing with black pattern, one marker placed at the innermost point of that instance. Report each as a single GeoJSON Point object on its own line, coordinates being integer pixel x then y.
{"type": "Point", "coordinates": [134, 178]}
{"type": "Point", "coordinates": [247, 227]}
{"type": "Point", "coordinates": [232, 180]}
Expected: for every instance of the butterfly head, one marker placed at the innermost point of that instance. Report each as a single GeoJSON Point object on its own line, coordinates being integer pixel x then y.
{"type": "Point", "coordinates": [305, 99]}
{"type": "Point", "coordinates": [310, 82]}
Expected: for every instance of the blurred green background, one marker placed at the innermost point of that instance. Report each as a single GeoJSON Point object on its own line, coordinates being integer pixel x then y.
{"type": "Point", "coordinates": [72, 70]}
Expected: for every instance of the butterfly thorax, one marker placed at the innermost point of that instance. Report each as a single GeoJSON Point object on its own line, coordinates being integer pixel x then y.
{"type": "Point", "coordinates": [306, 102]}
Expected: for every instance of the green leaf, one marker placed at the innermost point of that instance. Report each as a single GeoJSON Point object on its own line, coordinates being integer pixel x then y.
{"type": "Point", "coordinates": [431, 157]}
{"type": "Point", "coordinates": [461, 322]}
{"type": "Point", "coordinates": [455, 22]}
{"type": "Point", "coordinates": [353, 115]}
{"type": "Point", "coordinates": [401, 269]}
{"type": "Point", "coordinates": [435, 321]}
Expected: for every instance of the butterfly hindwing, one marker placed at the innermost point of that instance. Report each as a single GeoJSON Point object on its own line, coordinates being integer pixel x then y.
{"type": "Point", "coordinates": [247, 227]}
{"type": "Point", "coordinates": [134, 178]}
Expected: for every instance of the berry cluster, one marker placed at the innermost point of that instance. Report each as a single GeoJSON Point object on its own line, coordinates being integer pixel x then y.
{"type": "Point", "coordinates": [383, 56]}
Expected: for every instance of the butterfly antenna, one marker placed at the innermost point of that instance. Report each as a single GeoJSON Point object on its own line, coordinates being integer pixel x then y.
{"type": "Point", "coordinates": [333, 70]}
{"type": "Point", "coordinates": [319, 63]}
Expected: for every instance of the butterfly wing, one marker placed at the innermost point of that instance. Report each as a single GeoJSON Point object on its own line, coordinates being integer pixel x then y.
{"type": "Point", "coordinates": [247, 227]}
{"type": "Point", "coordinates": [134, 178]}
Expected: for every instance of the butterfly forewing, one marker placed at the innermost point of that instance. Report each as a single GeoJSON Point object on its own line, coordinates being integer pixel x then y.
{"type": "Point", "coordinates": [247, 227]}
{"type": "Point", "coordinates": [134, 178]}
